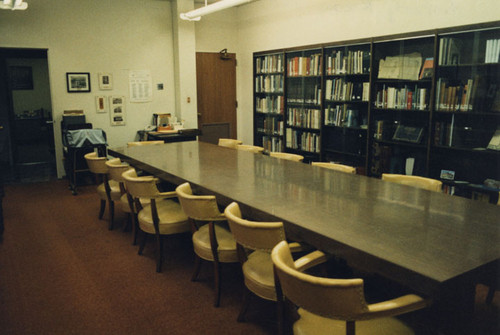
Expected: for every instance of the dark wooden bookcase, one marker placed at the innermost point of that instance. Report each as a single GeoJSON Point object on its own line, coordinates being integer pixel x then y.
{"type": "Point", "coordinates": [426, 102]}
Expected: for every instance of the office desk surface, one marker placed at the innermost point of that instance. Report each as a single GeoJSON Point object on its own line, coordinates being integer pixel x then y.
{"type": "Point", "coordinates": [419, 238]}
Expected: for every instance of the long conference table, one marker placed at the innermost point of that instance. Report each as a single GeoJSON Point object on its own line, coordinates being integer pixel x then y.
{"type": "Point", "coordinates": [435, 244]}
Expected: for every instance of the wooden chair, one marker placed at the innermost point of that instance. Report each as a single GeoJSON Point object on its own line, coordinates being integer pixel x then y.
{"type": "Point", "coordinates": [336, 167]}
{"type": "Point", "coordinates": [211, 241]}
{"type": "Point", "coordinates": [229, 143]}
{"type": "Point", "coordinates": [140, 143]}
{"type": "Point", "coordinates": [287, 156]}
{"type": "Point", "coordinates": [109, 189]}
{"type": "Point", "coordinates": [162, 217]}
{"type": "Point", "coordinates": [251, 148]}
{"type": "Point", "coordinates": [415, 181]}
{"type": "Point", "coordinates": [254, 241]}
{"type": "Point", "coordinates": [335, 306]}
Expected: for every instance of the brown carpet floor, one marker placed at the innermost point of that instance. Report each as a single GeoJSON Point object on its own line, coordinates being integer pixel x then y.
{"type": "Point", "coordinates": [63, 272]}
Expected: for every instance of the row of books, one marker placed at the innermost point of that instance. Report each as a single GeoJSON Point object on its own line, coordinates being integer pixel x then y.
{"type": "Point", "coordinates": [352, 62]}
{"type": "Point", "coordinates": [342, 116]}
{"type": "Point", "coordinates": [443, 133]}
{"type": "Point", "coordinates": [272, 144]}
{"type": "Point", "coordinates": [492, 54]}
{"type": "Point", "coordinates": [456, 97]}
{"type": "Point", "coordinates": [269, 105]}
{"type": "Point", "coordinates": [340, 90]}
{"type": "Point", "coordinates": [305, 66]}
{"type": "Point", "coordinates": [449, 51]}
{"type": "Point", "coordinates": [302, 140]}
{"type": "Point", "coordinates": [402, 98]}
{"type": "Point", "coordinates": [312, 95]}
{"type": "Point", "coordinates": [307, 118]}
{"type": "Point", "coordinates": [269, 84]}
{"type": "Point", "coordinates": [269, 64]}
{"type": "Point", "coordinates": [272, 126]}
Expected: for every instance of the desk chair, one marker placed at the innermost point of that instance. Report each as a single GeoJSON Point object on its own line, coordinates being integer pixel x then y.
{"type": "Point", "coordinates": [161, 217]}
{"type": "Point", "coordinates": [211, 241]}
{"type": "Point", "coordinates": [109, 189]}
{"type": "Point", "coordinates": [229, 143]}
{"type": "Point", "coordinates": [140, 143]}
{"type": "Point", "coordinates": [287, 156]}
{"type": "Point", "coordinates": [254, 241]}
{"type": "Point", "coordinates": [251, 148]}
{"type": "Point", "coordinates": [335, 306]}
{"type": "Point", "coordinates": [415, 181]}
{"type": "Point", "coordinates": [336, 167]}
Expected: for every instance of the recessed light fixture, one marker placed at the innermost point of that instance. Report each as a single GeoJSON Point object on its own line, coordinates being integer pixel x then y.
{"type": "Point", "coordinates": [196, 14]}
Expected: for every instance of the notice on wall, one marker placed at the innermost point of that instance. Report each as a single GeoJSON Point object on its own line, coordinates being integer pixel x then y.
{"type": "Point", "coordinates": [141, 86]}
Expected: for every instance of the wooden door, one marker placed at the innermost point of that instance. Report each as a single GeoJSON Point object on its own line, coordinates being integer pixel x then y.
{"type": "Point", "coordinates": [5, 144]}
{"type": "Point", "coordinates": [216, 87]}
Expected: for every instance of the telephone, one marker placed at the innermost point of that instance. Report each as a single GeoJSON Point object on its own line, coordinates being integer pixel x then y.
{"type": "Point", "coordinates": [150, 128]}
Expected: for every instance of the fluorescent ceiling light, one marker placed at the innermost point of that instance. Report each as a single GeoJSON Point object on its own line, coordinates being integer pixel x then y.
{"type": "Point", "coordinates": [196, 14]}
{"type": "Point", "coordinates": [13, 5]}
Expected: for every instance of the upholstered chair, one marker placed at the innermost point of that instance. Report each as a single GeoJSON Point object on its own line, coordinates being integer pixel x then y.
{"type": "Point", "coordinates": [161, 217]}
{"type": "Point", "coordinates": [335, 306]}
{"type": "Point", "coordinates": [251, 148]}
{"type": "Point", "coordinates": [109, 189]}
{"type": "Point", "coordinates": [140, 143]}
{"type": "Point", "coordinates": [255, 240]}
{"type": "Point", "coordinates": [211, 240]}
{"type": "Point", "coordinates": [336, 167]}
{"type": "Point", "coordinates": [229, 143]}
{"type": "Point", "coordinates": [287, 156]}
{"type": "Point", "coordinates": [115, 169]}
{"type": "Point", "coordinates": [415, 181]}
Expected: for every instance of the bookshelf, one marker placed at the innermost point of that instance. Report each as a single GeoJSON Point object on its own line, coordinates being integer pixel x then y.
{"type": "Point", "coordinates": [428, 100]}
{"type": "Point", "coordinates": [303, 98]}
{"type": "Point", "coordinates": [269, 101]}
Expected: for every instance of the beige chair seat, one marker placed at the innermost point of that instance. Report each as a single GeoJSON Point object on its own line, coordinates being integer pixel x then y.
{"type": "Point", "coordinates": [172, 218]}
{"type": "Point", "coordinates": [310, 323]}
{"type": "Point", "coordinates": [259, 275]}
{"type": "Point", "coordinates": [125, 205]}
{"type": "Point", "coordinates": [226, 244]}
{"type": "Point", "coordinates": [115, 191]}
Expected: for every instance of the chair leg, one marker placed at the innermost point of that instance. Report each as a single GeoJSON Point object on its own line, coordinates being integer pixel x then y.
{"type": "Point", "coordinates": [491, 295]}
{"type": "Point", "coordinates": [197, 267]}
{"type": "Point", "coordinates": [244, 306]}
{"type": "Point", "coordinates": [135, 226]}
{"type": "Point", "coordinates": [159, 251]}
{"type": "Point", "coordinates": [143, 243]}
{"type": "Point", "coordinates": [128, 222]}
{"type": "Point", "coordinates": [217, 283]}
{"type": "Point", "coordinates": [111, 214]}
{"type": "Point", "coordinates": [101, 210]}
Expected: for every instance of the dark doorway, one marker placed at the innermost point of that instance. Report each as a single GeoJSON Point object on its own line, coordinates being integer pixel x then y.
{"type": "Point", "coordinates": [27, 151]}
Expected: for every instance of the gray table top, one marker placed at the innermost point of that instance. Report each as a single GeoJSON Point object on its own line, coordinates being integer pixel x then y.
{"type": "Point", "coordinates": [421, 239]}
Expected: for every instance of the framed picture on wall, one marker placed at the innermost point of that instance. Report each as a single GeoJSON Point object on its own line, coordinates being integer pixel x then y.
{"type": "Point", "coordinates": [78, 82]}
{"type": "Point", "coordinates": [101, 104]}
{"type": "Point", "coordinates": [105, 81]}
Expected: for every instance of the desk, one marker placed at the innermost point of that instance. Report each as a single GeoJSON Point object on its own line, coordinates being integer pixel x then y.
{"type": "Point", "coordinates": [181, 136]}
{"type": "Point", "coordinates": [430, 242]}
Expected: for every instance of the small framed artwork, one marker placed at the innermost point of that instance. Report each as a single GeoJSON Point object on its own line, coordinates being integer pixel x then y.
{"type": "Point", "coordinates": [117, 113]}
{"type": "Point", "coordinates": [78, 82]}
{"type": "Point", "coordinates": [105, 81]}
{"type": "Point", "coordinates": [101, 104]}
{"type": "Point", "coordinates": [408, 134]}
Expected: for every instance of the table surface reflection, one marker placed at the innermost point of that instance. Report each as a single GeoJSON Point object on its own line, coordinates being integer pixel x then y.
{"type": "Point", "coordinates": [419, 238]}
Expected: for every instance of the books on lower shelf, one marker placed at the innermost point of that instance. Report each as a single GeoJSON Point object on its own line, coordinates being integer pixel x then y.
{"type": "Point", "coordinates": [269, 83]}
{"type": "Point", "coordinates": [402, 98]}
{"type": "Point", "coordinates": [340, 90]}
{"type": "Point", "coordinates": [269, 105]}
{"type": "Point", "coordinates": [342, 116]}
{"type": "Point", "coordinates": [302, 140]}
{"type": "Point", "coordinates": [307, 118]}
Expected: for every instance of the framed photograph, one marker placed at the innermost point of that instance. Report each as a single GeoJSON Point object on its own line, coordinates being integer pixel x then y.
{"type": "Point", "coordinates": [408, 134]}
{"type": "Point", "coordinates": [117, 113]}
{"type": "Point", "coordinates": [101, 104]}
{"type": "Point", "coordinates": [21, 77]}
{"type": "Point", "coordinates": [105, 81]}
{"type": "Point", "coordinates": [78, 82]}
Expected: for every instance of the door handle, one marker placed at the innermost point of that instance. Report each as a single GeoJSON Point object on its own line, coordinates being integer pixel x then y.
{"type": "Point", "coordinates": [199, 114]}
{"type": "Point", "coordinates": [49, 122]}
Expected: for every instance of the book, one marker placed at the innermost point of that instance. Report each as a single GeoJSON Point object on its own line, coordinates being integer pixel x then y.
{"type": "Point", "coordinates": [427, 68]}
{"type": "Point", "coordinates": [495, 141]}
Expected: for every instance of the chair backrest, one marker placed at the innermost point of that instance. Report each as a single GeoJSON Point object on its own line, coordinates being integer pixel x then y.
{"type": "Point", "coordinates": [140, 187]}
{"type": "Point", "coordinates": [251, 148]}
{"type": "Point", "coordinates": [251, 234]}
{"type": "Point", "coordinates": [96, 164]}
{"type": "Point", "coordinates": [198, 207]}
{"type": "Point", "coordinates": [229, 143]}
{"type": "Point", "coordinates": [116, 168]}
{"type": "Point", "coordinates": [332, 298]}
{"type": "Point", "coordinates": [287, 156]}
{"type": "Point", "coordinates": [415, 181]}
{"type": "Point", "coordinates": [140, 143]}
{"type": "Point", "coordinates": [336, 167]}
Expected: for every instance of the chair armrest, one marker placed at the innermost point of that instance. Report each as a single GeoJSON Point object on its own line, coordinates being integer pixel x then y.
{"type": "Point", "coordinates": [397, 306]}
{"type": "Point", "coordinates": [166, 195]}
{"type": "Point", "coordinates": [310, 260]}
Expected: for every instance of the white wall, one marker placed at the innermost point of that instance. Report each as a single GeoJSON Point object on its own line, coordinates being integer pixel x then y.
{"type": "Point", "coordinates": [113, 36]}
{"type": "Point", "coordinates": [273, 24]}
